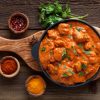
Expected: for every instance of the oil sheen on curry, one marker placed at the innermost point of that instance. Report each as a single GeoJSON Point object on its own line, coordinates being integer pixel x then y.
{"type": "Point", "coordinates": [70, 53]}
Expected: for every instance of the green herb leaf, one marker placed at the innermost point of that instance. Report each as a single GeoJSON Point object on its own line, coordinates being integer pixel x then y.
{"type": "Point", "coordinates": [64, 75]}
{"type": "Point", "coordinates": [59, 64]}
{"type": "Point", "coordinates": [58, 7]}
{"type": "Point", "coordinates": [71, 71]}
{"type": "Point", "coordinates": [64, 66]}
{"type": "Point", "coordinates": [49, 8]}
{"type": "Point", "coordinates": [70, 36]}
{"type": "Point", "coordinates": [67, 11]}
{"type": "Point", "coordinates": [79, 29]}
{"type": "Point", "coordinates": [43, 49]}
{"type": "Point", "coordinates": [70, 25]}
{"type": "Point", "coordinates": [81, 74]}
{"type": "Point", "coordinates": [74, 50]}
{"type": "Point", "coordinates": [80, 45]}
{"type": "Point", "coordinates": [51, 52]}
{"type": "Point", "coordinates": [73, 16]}
{"type": "Point", "coordinates": [53, 12]}
{"type": "Point", "coordinates": [65, 54]}
{"type": "Point", "coordinates": [83, 66]}
{"type": "Point", "coordinates": [87, 52]}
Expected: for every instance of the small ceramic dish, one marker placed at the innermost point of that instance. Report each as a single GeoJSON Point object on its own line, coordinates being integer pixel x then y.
{"type": "Point", "coordinates": [18, 22]}
{"type": "Point", "coordinates": [7, 69]}
{"type": "Point", "coordinates": [37, 87]}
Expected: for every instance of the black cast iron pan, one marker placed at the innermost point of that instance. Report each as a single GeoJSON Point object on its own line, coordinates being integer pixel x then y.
{"type": "Point", "coordinates": [35, 53]}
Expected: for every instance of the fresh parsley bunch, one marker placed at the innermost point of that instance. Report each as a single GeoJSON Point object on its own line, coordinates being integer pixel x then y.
{"type": "Point", "coordinates": [54, 12]}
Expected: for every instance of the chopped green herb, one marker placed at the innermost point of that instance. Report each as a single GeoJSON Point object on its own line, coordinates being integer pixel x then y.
{"type": "Point", "coordinates": [65, 75]}
{"type": "Point", "coordinates": [65, 54]}
{"type": "Point", "coordinates": [80, 45]}
{"type": "Point", "coordinates": [64, 66]}
{"type": "Point", "coordinates": [81, 74]}
{"type": "Point", "coordinates": [74, 50]}
{"type": "Point", "coordinates": [54, 12]}
{"type": "Point", "coordinates": [83, 66]}
{"type": "Point", "coordinates": [70, 25]}
{"type": "Point", "coordinates": [87, 52]}
{"type": "Point", "coordinates": [69, 36]}
{"type": "Point", "coordinates": [79, 29]}
{"type": "Point", "coordinates": [51, 52]}
{"type": "Point", "coordinates": [59, 64]}
{"type": "Point", "coordinates": [43, 49]}
{"type": "Point", "coordinates": [70, 71]}
{"type": "Point", "coordinates": [58, 7]}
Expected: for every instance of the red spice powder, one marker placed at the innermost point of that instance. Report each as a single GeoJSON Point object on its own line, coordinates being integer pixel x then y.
{"type": "Point", "coordinates": [8, 66]}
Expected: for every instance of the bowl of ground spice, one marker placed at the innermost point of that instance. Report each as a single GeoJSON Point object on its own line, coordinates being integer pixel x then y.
{"type": "Point", "coordinates": [9, 66]}
{"type": "Point", "coordinates": [18, 22]}
{"type": "Point", "coordinates": [35, 85]}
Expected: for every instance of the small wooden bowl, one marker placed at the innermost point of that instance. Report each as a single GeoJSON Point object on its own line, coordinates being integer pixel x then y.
{"type": "Point", "coordinates": [18, 15]}
{"type": "Point", "coordinates": [13, 74]}
{"type": "Point", "coordinates": [42, 80]}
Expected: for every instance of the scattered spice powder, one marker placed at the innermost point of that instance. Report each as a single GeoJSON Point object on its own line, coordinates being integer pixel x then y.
{"type": "Point", "coordinates": [8, 66]}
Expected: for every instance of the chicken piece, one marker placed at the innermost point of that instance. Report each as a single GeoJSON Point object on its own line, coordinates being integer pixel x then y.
{"type": "Point", "coordinates": [88, 70]}
{"type": "Point", "coordinates": [52, 59]}
{"type": "Point", "coordinates": [58, 54]}
{"type": "Point", "coordinates": [77, 66]}
{"type": "Point", "coordinates": [70, 44]}
{"type": "Point", "coordinates": [65, 71]}
{"type": "Point", "coordinates": [50, 44]}
{"type": "Point", "coordinates": [52, 69]}
{"type": "Point", "coordinates": [92, 57]}
{"type": "Point", "coordinates": [88, 45]}
{"type": "Point", "coordinates": [80, 36]}
{"type": "Point", "coordinates": [63, 28]}
{"type": "Point", "coordinates": [53, 33]}
{"type": "Point", "coordinates": [98, 46]}
{"type": "Point", "coordinates": [59, 42]}
{"type": "Point", "coordinates": [93, 60]}
{"type": "Point", "coordinates": [78, 79]}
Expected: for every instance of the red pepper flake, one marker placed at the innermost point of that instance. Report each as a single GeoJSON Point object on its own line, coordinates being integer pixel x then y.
{"type": "Point", "coordinates": [18, 23]}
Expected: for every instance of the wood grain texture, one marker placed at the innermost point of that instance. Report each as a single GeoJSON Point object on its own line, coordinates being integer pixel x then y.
{"type": "Point", "coordinates": [30, 8]}
{"type": "Point", "coordinates": [22, 47]}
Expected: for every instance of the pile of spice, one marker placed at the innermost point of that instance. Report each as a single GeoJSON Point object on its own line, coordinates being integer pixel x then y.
{"type": "Point", "coordinates": [8, 66]}
{"type": "Point", "coordinates": [35, 85]}
{"type": "Point", "coordinates": [18, 23]}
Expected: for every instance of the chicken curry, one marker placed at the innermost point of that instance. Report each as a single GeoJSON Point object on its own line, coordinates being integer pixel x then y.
{"type": "Point", "coordinates": [70, 53]}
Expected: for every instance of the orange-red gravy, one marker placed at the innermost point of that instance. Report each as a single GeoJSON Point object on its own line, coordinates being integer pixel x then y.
{"type": "Point", "coordinates": [70, 53]}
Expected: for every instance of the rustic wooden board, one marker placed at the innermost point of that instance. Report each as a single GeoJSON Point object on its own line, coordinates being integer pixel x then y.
{"type": "Point", "coordinates": [30, 7]}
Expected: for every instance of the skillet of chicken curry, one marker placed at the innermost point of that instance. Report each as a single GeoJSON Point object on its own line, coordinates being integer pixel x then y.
{"type": "Point", "coordinates": [70, 53]}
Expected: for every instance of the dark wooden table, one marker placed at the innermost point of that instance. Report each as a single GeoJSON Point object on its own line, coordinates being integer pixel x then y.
{"type": "Point", "coordinates": [13, 89]}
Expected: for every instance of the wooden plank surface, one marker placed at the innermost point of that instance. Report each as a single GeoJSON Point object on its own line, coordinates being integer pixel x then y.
{"type": "Point", "coordinates": [14, 89]}
{"type": "Point", "coordinates": [81, 8]}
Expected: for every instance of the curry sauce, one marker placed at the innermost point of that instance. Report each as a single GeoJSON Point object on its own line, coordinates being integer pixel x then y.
{"type": "Point", "coordinates": [70, 53]}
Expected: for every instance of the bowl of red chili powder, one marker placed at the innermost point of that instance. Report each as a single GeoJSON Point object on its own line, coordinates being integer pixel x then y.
{"type": "Point", "coordinates": [18, 22]}
{"type": "Point", "coordinates": [9, 66]}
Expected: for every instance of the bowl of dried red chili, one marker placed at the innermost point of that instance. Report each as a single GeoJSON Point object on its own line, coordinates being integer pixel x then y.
{"type": "Point", "coordinates": [18, 22]}
{"type": "Point", "coordinates": [9, 66]}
